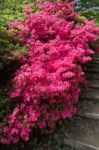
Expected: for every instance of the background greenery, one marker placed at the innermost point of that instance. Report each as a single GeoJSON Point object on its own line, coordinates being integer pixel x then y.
{"type": "Point", "coordinates": [11, 10]}
{"type": "Point", "coordinates": [89, 8]}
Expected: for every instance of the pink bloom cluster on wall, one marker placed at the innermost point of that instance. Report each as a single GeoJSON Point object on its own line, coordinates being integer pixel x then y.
{"type": "Point", "coordinates": [48, 82]}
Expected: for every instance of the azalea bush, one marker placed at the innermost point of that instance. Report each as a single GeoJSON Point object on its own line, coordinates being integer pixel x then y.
{"type": "Point", "coordinates": [48, 83]}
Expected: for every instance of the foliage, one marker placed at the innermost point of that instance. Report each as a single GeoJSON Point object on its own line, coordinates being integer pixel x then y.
{"type": "Point", "coordinates": [47, 84]}
{"type": "Point", "coordinates": [9, 11]}
{"type": "Point", "coordinates": [13, 9]}
{"type": "Point", "coordinates": [89, 8]}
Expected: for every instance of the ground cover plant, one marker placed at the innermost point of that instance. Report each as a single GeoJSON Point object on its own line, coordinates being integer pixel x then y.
{"type": "Point", "coordinates": [48, 83]}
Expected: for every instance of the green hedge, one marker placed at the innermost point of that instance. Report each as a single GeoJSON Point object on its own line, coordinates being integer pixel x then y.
{"type": "Point", "coordinates": [11, 10]}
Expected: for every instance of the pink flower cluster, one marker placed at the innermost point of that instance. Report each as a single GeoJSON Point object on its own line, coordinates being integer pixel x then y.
{"type": "Point", "coordinates": [48, 83]}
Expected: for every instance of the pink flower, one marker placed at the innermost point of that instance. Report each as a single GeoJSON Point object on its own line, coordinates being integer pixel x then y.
{"type": "Point", "coordinates": [27, 9]}
{"type": "Point", "coordinates": [14, 131]}
{"type": "Point", "coordinates": [15, 112]}
{"type": "Point", "coordinates": [5, 141]}
{"type": "Point", "coordinates": [41, 124]}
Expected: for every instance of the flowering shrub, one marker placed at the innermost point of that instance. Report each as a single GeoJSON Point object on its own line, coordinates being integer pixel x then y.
{"type": "Point", "coordinates": [48, 82]}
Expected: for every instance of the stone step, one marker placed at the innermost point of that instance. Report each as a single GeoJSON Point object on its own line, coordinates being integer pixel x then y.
{"type": "Point", "coordinates": [94, 61]}
{"type": "Point", "coordinates": [84, 134]}
{"type": "Point", "coordinates": [92, 66]}
{"type": "Point", "coordinates": [93, 84]}
{"type": "Point", "coordinates": [95, 55]}
{"type": "Point", "coordinates": [92, 76]}
{"type": "Point", "coordinates": [92, 69]}
{"type": "Point", "coordinates": [90, 94]}
{"type": "Point", "coordinates": [89, 109]}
